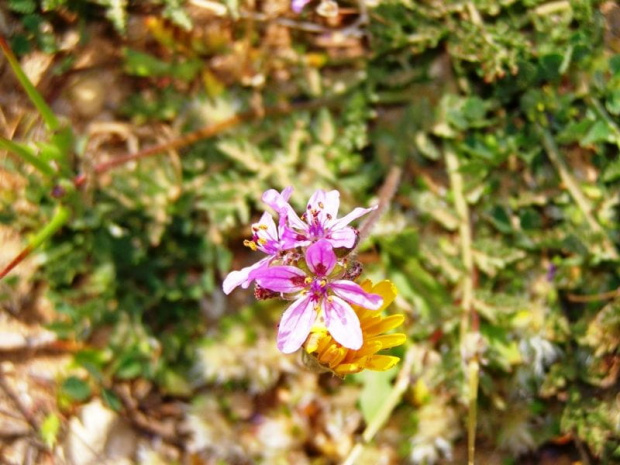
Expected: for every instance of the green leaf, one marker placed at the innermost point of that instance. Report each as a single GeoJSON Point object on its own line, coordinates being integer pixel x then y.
{"type": "Point", "coordinates": [613, 102]}
{"type": "Point", "coordinates": [376, 388]}
{"type": "Point", "coordinates": [23, 7]}
{"type": "Point", "coordinates": [130, 367]}
{"type": "Point", "coordinates": [614, 64]}
{"type": "Point", "coordinates": [77, 389]}
{"type": "Point", "coordinates": [50, 427]}
{"type": "Point", "coordinates": [111, 399]}
{"type": "Point", "coordinates": [35, 97]}
{"type": "Point", "coordinates": [612, 171]}
{"type": "Point", "coordinates": [27, 154]}
{"type": "Point", "coordinates": [599, 132]}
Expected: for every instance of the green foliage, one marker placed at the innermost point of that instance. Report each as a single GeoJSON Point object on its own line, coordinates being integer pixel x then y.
{"type": "Point", "coordinates": [138, 266]}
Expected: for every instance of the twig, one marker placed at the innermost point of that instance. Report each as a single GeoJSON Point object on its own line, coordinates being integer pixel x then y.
{"type": "Point", "coordinates": [17, 402]}
{"type": "Point", "coordinates": [386, 193]}
{"type": "Point", "coordinates": [583, 453]}
{"type": "Point", "coordinates": [389, 404]}
{"type": "Point", "coordinates": [206, 133]}
{"type": "Point", "coordinates": [140, 421]}
{"type": "Point", "coordinates": [573, 188]}
{"type": "Point", "coordinates": [469, 318]}
{"type": "Point", "coordinates": [594, 297]}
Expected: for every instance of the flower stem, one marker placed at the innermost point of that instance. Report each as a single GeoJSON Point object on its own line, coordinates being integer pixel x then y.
{"type": "Point", "coordinates": [61, 216]}
{"type": "Point", "coordinates": [469, 320]}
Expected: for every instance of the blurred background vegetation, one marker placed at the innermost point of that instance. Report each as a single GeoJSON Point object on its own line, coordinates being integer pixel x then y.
{"type": "Point", "coordinates": [488, 129]}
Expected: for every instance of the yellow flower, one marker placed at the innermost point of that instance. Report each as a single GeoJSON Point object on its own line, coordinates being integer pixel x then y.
{"type": "Point", "coordinates": [323, 353]}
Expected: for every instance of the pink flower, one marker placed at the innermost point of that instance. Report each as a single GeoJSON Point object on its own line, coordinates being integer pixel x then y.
{"type": "Point", "coordinates": [319, 221]}
{"type": "Point", "coordinates": [317, 295]}
{"type": "Point", "coordinates": [266, 238]}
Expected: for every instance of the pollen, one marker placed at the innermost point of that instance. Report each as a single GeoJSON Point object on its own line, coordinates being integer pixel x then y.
{"type": "Point", "coordinates": [250, 244]}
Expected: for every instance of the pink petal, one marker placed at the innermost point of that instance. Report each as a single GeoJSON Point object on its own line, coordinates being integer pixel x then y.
{"type": "Point", "coordinates": [345, 237]}
{"type": "Point", "coordinates": [279, 202]}
{"type": "Point", "coordinates": [353, 293]}
{"type": "Point", "coordinates": [317, 198]}
{"type": "Point", "coordinates": [275, 199]}
{"type": "Point", "coordinates": [298, 5]}
{"type": "Point", "coordinates": [295, 325]}
{"type": "Point", "coordinates": [280, 278]}
{"type": "Point", "coordinates": [332, 204]}
{"type": "Point", "coordinates": [342, 323]}
{"type": "Point", "coordinates": [321, 258]}
{"type": "Point", "coordinates": [292, 239]}
{"type": "Point", "coordinates": [356, 213]}
{"type": "Point", "coordinates": [271, 233]}
{"type": "Point", "coordinates": [242, 277]}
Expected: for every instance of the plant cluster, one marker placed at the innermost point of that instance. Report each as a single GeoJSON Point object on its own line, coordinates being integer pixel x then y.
{"type": "Point", "coordinates": [496, 122]}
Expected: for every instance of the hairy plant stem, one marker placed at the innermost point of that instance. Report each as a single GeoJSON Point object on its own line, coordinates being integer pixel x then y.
{"type": "Point", "coordinates": [208, 132]}
{"type": "Point", "coordinates": [469, 321]}
{"type": "Point", "coordinates": [575, 191]}
{"type": "Point", "coordinates": [389, 404]}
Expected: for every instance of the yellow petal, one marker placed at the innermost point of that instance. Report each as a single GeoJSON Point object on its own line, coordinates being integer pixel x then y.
{"type": "Point", "coordinates": [383, 324]}
{"type": "Point", "coordinates": [350, 368]}
{"type": "Point", "coordinates": [369, 321]}
{"type": "Point", "coordinates": [381, 362]}
{"type": "Point", "coordinates": [333, 356]}
{"type": "Point", "coordinates": [368, 348]}
{"type": "Point", "coordinates": [389, 340]}
{"type": "Point", "coordinates": [387, 290]}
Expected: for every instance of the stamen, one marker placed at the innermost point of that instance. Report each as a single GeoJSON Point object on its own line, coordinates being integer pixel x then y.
{"type": "Point", "coordinates": [250, 244]}
{"type": "Point", "coordinates": [308, 280]}
{"type": "Point", "coordinates": [321, 205]}
{"type": "Point", "coordinates": [263, 227]}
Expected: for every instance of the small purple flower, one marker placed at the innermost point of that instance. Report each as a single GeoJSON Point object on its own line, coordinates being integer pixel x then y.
{"type": "Point", "coordinates": [319, 221]}
{"type": "Point", "coordinates": [266, 238]}
{"type": "Point", "coordinates": [317, 295]}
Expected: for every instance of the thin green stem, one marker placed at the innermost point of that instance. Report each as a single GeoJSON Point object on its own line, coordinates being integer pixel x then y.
{"type": "Point", "coordinates": [61, 216]}
{"type": "Point", "coordinates": [574, 190]}
{"type": "Point", "coordinates": [28, 155]}
{"type": "Point", "coordinates": [467, 317]}
{"type": "Point", "coordinates": [35, 97]}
